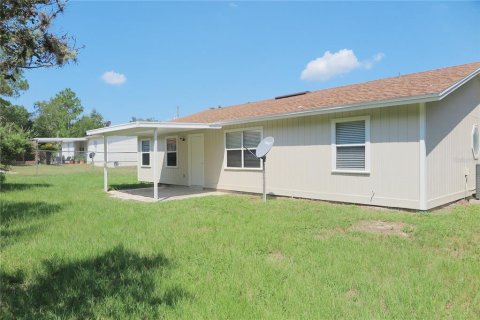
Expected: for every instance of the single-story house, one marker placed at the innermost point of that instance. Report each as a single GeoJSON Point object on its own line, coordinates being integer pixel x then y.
{"type": "Point", "coordinates": [122, 149]}
{"type": "Point", "coordinates": [410, 141]}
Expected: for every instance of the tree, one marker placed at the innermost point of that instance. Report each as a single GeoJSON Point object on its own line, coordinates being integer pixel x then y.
{"type": "Point", "coordinates": [15, 127]}
{"type": "Point", "coordinates": [12, 88]}
{"type": "Point", "coordinates": [56, 116]}
{"type": "Point", "coordinates": [87, 122]}
{"type": "Point", "coordinates": [13, 114]}
{"type": "Point", "coordinates": [134, 119]}
{"type": "Point", "coordinates": [26, 41]}
{"type": "Point", "coordinates": [13, 143]}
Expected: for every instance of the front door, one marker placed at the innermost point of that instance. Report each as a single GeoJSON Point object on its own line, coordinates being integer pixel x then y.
{"type": "Point", "coordinates": [195, 159]}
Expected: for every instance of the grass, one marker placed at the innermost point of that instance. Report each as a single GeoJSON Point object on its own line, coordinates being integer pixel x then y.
{"type": "Point", "coordinates": [68, 251]}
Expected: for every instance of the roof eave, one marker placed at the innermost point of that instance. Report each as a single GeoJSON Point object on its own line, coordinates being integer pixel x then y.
{"type": "Point", "coordinates": [142, 125]}
{"type": "Point", "coordinates": [361, 106]}
{"type": "Point", "coordinates": [458, 84]}
{"type": "Point", "coordinates": [343, 108]}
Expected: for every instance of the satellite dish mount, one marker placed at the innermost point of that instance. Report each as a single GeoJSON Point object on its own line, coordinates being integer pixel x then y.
{"type": "Point", "coordinates": [261, 153]}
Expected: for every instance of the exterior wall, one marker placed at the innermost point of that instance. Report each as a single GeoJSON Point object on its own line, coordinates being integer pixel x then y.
{"type": "Point", "coordinates": [448, 143]}
{"type": "Point", "coordinates": [121, 150]}
{"type": "Point", "coordinates": [177, 175]}
{"type": "Point", "coordinates": [300, 163]}
{"type": "Point", "coordinates": [73, 148]}
{"type": "Point", "coordinates": [68, 149]}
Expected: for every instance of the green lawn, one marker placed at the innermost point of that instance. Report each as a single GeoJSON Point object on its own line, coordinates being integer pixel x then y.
{"type": "Point", "coordinates": [70, 252]}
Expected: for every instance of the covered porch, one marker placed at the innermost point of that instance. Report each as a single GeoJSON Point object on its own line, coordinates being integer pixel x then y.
{"type": "Point", "coordinates": [152, 131]}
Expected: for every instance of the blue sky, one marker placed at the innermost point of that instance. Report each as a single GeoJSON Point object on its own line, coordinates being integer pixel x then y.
{"type": "Point", "coordinates": [197, 55]}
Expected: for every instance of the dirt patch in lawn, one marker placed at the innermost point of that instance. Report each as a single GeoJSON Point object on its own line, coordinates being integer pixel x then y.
{"type": "Point", "coordinates": [326, 234]}
{"type": "Point", "coordinates": [353, 295]}
{"type": "Point", "coordinates": [384, 227]}
{"type": "Point", "coordinates": [276, 256]}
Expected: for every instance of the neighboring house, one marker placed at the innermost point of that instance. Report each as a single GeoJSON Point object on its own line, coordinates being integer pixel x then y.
{"type": "Point", "coordinates": [122, 149]}
{"type": "Point", "coordinates": [73, 147]}
{"type": "Point", "coordinates": [409, 141]}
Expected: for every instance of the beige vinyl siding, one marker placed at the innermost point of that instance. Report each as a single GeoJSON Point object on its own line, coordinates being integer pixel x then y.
{"type": "Point", "coordinates": [121, 149]}
{"type": "Point", "coordinates": [449, 155]}
{"type": "Point", "coordinates": [178, 175]}
{"type": "Point", "coordinates": [300, 162]}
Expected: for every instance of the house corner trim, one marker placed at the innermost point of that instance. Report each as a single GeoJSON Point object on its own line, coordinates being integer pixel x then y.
{"type": "Point", "coordinates": [422, 157]}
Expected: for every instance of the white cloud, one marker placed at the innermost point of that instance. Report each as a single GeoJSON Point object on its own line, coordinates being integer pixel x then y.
{"type": "Point", "coordinates": [378, 57]}
{"type": "Point", "coordinates": [233, 5]}
{"type": "Point", "coordinates": [334, 64]}
{"type": "Point", "coordinates": [114, 78]}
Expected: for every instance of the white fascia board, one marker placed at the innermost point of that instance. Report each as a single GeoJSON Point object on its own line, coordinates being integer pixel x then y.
{"type": "Point", "coordinates": [457, 85]}
{"type": "Point", "coordinates": [151, 125]}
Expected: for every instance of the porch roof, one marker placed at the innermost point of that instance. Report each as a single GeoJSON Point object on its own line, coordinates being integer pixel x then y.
{"type": "Point", "coordinates": [139, 128]}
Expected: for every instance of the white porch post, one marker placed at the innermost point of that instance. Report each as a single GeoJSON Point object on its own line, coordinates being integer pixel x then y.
{"type": "Point", "coordinates": [155, 163]}
{"type": "Point", "coordinates": [105, 167]}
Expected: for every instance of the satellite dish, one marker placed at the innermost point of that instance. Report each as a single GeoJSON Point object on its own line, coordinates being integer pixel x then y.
{"type": "Point", "coordinates": [264, 147]}
{"type": "Point", "coordinates": [91, 155]}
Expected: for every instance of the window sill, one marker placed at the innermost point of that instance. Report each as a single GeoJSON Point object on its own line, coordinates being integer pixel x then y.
{"type": "Point", "coordinates": [145, 167]}
{"type": "Point", "coordinates": [242, 169]}
{"type": "Point", "coordinates": [358, 172]}
{"type": "Point", "coordinates": [170, 167]}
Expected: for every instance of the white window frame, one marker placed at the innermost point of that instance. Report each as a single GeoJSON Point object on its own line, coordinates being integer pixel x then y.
{"type": "Point", "coordinates": [149, 152]}
{"type": "Point", "coordinates": [475, 155]}
{"type": "Point", "coordinates": [242, 148]}
{"type": "Point", "coordinates": [366, 144]}
{"type": "Point", "coordinates": [167, 152]}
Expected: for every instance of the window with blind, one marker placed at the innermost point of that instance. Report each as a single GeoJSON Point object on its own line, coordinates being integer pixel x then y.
{"type": "Point", "coordinates": [171, 152]}
{"type": "Point", "coordinates": [240, 147]}
{"type": "Point", "coordinates": [350, 140]}
{"type": "Point", "coordinates": [145, 152]}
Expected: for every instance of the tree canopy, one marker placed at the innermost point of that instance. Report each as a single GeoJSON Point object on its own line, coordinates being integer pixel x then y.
{"type": "Point", "coordinates": [16, 115]}
{"type": "Point", "coordinates": [15, 124]}
{"type": "Point", "coordinates": [87, 122]}
{"type": "Point", "coordinates": [26, 41]}
{"type": "Point", "coordinates": [62, 116]}
{"type": "Point", "coordinates": [134, 119]}
{"type": "Point", "coordinates": [56, 116]}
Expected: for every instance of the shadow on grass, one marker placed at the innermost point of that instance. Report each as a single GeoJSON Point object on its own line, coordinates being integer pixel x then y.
{"type": "Point", "coordinates": [123, 186]}
{"type": "Point", "coordinates": [17, 219]}
{"type": "Point", "coordinates": [9, 237]}
{"type": "Point", "coordinates": [6, 187]}
{"type": "Point", "coordinates": [11, 212]}
{"type": "Point", "coordinates": [117, 284]}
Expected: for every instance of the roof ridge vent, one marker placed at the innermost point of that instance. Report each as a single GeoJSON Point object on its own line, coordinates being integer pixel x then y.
{"type": "Point", "coordinates": [291, 95]}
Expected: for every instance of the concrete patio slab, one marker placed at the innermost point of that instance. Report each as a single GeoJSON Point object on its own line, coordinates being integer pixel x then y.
{"type": "Point", "coordinates": [165, 193]}
{"type": "Point", "coordinates": [474, 201]}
